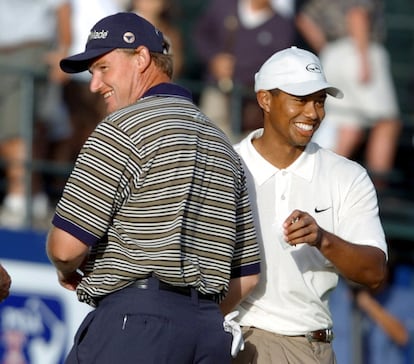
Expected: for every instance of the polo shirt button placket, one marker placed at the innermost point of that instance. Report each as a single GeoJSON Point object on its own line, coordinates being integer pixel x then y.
{"type": "Point", "coordinates": [284, 185]}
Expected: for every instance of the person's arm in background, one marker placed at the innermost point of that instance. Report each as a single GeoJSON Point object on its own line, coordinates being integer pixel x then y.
{"type": "Point", "coordinates": [310, 31]}
{"type": "Point", "coordinates": [5, 283]}
{"type": "Point", "coordinates": [390, 324]}
{"type": "Point", "coordinates": [358, 25]}
{"type": "Point", "coordinates": [177, 46]}
{"type": "Point", "coordinates": [239, 289]}
{"type": "Point", "coordinates": [68, 255]}
{"type": "Point", "coordinates": [63, 42]}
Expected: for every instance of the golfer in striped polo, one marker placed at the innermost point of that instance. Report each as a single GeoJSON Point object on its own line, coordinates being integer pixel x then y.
{"type": "Point", "coordinates": [154, 226]}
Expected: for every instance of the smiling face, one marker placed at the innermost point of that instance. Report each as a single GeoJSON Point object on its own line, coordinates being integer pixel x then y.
{"type": "Point", "coordinates": [292, 120]}
{"type": "Point", "coordinates": [116, 76]}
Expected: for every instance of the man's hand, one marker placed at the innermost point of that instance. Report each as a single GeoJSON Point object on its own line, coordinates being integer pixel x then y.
{"type": "Point", "coordinates": [234, 328]}
{"type": "Point", "coordinates": [300, 228]}
{"type": "Point", "coordinates": [70, 280]}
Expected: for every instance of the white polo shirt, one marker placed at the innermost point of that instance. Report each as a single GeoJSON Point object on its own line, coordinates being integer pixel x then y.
{"type": "Point", "coordinates": [292, 296]}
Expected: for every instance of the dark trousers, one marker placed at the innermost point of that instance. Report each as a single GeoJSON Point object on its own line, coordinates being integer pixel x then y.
{"type": "Point", "coordinates": [152, 326]}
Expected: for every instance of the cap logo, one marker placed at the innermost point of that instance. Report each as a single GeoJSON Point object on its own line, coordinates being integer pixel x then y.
{"type": "Point", "coordinates": [98, 35]}
{"type": "Point", "coordinates": [313, 67]}
{"type": "Point", "coordinates": [129, 37]}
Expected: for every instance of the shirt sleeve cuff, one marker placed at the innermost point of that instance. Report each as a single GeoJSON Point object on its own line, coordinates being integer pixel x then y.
{"type": "Point", "coordinates": [74, 230]}
{"type": "Point", "coordinates": [246, 270]}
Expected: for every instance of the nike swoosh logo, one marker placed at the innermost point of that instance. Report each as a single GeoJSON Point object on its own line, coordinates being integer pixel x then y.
{"type": "Point", "coordinates": [321, 210]}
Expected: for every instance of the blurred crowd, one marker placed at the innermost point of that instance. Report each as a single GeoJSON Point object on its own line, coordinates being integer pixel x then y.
{"type": "Point", "coordinates": [218, 46]}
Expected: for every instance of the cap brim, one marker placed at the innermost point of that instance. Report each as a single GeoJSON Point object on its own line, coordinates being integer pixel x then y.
{"type": "Point", "coordinates": [81, 62]}
{"type": "Point", "coordinates": [307, 88]}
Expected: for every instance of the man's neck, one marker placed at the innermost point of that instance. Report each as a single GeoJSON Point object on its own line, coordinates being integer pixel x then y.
{"type": "Point", "coordinates": [279, 155]}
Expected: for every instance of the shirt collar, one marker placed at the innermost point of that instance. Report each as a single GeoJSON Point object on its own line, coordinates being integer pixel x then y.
{"type": "Point", "coordinates": [263, 170]}
{"type": "Point", "coordinates": [168, 89]}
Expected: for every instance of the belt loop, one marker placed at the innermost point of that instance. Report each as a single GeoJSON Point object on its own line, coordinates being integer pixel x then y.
{"type": "Point", "coordinates": [194, 295]}
{"type": "Point", "coordinates": [153, 283]}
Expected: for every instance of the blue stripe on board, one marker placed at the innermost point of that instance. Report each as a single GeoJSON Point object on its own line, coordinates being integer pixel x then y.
{"type": "Point", "coordinates": [25, 245]}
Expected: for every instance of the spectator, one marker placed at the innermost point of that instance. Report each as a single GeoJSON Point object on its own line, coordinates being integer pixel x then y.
{"type": "Point", "coordinates": [160, 13]}
{"type": "Point", "coordinates": [33, 35]}
{"type": "Point", "coordinates": [348, 35]}
{"type": "Point", "coordinates": [232, 38]}
{"type": "Point", "coordinates": [316, 216]}
{"type": "Point", "coordinates": [85, 108]}
{"type": "Point", "coordinates": [154, 226]}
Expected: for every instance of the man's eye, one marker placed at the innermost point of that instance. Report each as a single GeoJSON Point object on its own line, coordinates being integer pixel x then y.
{"type": "Point", "coordinates": [302, 101]}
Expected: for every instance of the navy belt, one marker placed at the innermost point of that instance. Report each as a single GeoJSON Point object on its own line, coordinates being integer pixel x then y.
{"type": "Point", "coordinates": [162, 286]}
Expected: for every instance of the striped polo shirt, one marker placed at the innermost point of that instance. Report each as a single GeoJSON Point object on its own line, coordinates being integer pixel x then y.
{"type": "Point", "coordinates": [157, 189]}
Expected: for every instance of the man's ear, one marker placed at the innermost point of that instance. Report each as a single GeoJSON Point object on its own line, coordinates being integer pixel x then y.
{"type": "Point", "coordinates": [143, 57]}
{"type": "Point", "coordinates": [263, 99]}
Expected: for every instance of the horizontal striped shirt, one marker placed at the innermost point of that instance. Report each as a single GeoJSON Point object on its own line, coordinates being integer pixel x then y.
{"type": "Point", "coordinates": [158, 190]}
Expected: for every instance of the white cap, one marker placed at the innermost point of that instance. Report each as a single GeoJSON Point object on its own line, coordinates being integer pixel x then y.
{"type": "Point", "coordinates": [294, 71]}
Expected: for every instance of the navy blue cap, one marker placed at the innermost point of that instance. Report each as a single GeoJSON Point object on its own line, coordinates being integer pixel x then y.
{"type": "Point", "coordinates": [121, 30]}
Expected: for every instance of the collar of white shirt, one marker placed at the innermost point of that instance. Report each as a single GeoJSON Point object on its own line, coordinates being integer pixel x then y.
{"type": "Point", "coordinates": [263, 170]}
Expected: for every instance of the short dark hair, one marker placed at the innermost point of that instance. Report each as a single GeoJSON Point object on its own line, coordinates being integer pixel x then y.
{"type": "Point", "coordinates": [275, 91]}
{"type": "Point", "coordinates": [164, 61]}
